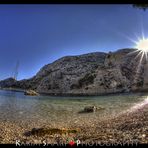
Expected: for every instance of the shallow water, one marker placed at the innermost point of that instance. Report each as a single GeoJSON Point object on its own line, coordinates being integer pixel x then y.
{"type": "Point", "coordinates": [15, 106]}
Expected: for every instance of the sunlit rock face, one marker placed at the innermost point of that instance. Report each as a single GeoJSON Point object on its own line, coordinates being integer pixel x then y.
{"type": "Point", "coordinates": [70, 74]}
{"type": "Point", "coordinates": [89, 74]}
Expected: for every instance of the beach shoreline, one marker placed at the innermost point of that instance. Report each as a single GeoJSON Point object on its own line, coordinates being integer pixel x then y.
{"type": "Point", "coordinates": [127, 127]}
{"type": "Point", "coordinates": [76, 95]}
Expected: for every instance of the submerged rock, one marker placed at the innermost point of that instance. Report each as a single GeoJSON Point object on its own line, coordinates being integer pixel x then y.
{"type": "Point", "coordinates": [31, 93]}
{"type": "Point", "coordinates": [49, 131]}
{"type": "Point", "coordinates": [90, 109]}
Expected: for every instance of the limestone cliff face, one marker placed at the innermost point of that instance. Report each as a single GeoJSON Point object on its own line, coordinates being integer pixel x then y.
{"type": "Point", "coordinates": [89, 74]}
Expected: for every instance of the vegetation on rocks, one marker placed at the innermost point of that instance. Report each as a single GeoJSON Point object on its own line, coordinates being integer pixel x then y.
{"type": "Point", "coordinates": [93, 73]}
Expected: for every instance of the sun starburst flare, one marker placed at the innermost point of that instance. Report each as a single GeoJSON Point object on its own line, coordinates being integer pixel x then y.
{"type": "Point", "coordinates": [142, 47]}
{"type": "Point", "coordinates": [140, 54]}
{"type": "Point", "coordinates": [141, 50]}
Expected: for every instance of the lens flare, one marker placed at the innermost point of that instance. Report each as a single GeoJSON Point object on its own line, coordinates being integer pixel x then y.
{"type": "Point", "coordinates": [140, 105]}
{"type": "Point", "coordinates": [142, 45]}
{"type": "Point", "coordinates": [141, 52]}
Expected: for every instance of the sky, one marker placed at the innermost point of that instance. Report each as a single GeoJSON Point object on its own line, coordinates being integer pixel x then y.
{"type": "Point", "coordinates": [39, 34]}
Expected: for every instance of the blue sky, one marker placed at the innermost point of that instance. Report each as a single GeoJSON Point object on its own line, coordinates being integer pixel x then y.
{"type": "Point", "coordinates": [40, 34]}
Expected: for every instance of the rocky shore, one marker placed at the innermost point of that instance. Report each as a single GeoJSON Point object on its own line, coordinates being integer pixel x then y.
{"type": "Point", "coordinates": [89, 74]}
{"type": "Point", "coordinates": [130, 127]}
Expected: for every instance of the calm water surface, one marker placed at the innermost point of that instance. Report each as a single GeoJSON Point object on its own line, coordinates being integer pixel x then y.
{"type": "Point", "coordinates": [15, 106]}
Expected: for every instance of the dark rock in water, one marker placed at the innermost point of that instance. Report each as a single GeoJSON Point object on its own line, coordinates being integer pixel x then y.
{"type": "Point", "coordinates": [90, 109]}
{"type": "Point", "coordinates": [89, 74]}
{"type": "Point", "coordinates": [31, 93]}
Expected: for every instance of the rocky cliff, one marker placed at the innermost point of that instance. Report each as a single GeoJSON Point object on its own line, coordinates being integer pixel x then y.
{"type": "Point", "coordinates": [89, 74]}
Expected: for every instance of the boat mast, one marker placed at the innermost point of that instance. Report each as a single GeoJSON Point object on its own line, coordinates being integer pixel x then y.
{"type": "Point", "coordinates": [16, 71]}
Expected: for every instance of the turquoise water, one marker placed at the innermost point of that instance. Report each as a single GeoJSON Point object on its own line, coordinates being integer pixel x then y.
{"type": "Point", "coordinates": [15, 106]}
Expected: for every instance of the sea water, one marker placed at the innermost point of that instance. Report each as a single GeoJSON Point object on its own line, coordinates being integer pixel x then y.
{"type": "Point", "coordinates": [15, 106]}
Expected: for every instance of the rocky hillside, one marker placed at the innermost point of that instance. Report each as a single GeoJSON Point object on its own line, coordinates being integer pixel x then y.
{"type": "Point", "coordinates": [89, 74]}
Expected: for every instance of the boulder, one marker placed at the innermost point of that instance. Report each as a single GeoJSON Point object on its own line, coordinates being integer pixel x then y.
{"type": "Point", "coordinates": [90, 109]}
{"type": "Point", "coordinates": [31, 93]}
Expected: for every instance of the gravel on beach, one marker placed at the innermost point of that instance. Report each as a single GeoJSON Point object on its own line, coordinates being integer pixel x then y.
{"type": "Point", "coordinates": [128, 127]}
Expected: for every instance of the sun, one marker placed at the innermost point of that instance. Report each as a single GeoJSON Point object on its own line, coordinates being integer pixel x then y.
{"type": "Point", "coordinates": [140, 48]}
{"type": "Point", "coordinates": [142, 45]}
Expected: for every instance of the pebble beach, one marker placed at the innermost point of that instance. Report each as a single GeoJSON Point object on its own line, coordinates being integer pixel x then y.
{"type": "Point", "coordinates": [131, 126]}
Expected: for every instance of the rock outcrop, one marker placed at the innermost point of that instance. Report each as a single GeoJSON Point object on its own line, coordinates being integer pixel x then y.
{"type": "Point", "coordinates": [31, 93]}
{"type": "Point", "coordinates": [89, 74]}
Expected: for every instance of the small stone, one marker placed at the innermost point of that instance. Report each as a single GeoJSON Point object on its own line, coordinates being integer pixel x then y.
{"type": "Point", "coordinates": [143, 135]}
{"type": "Point", "coordinates": [36, 141]}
